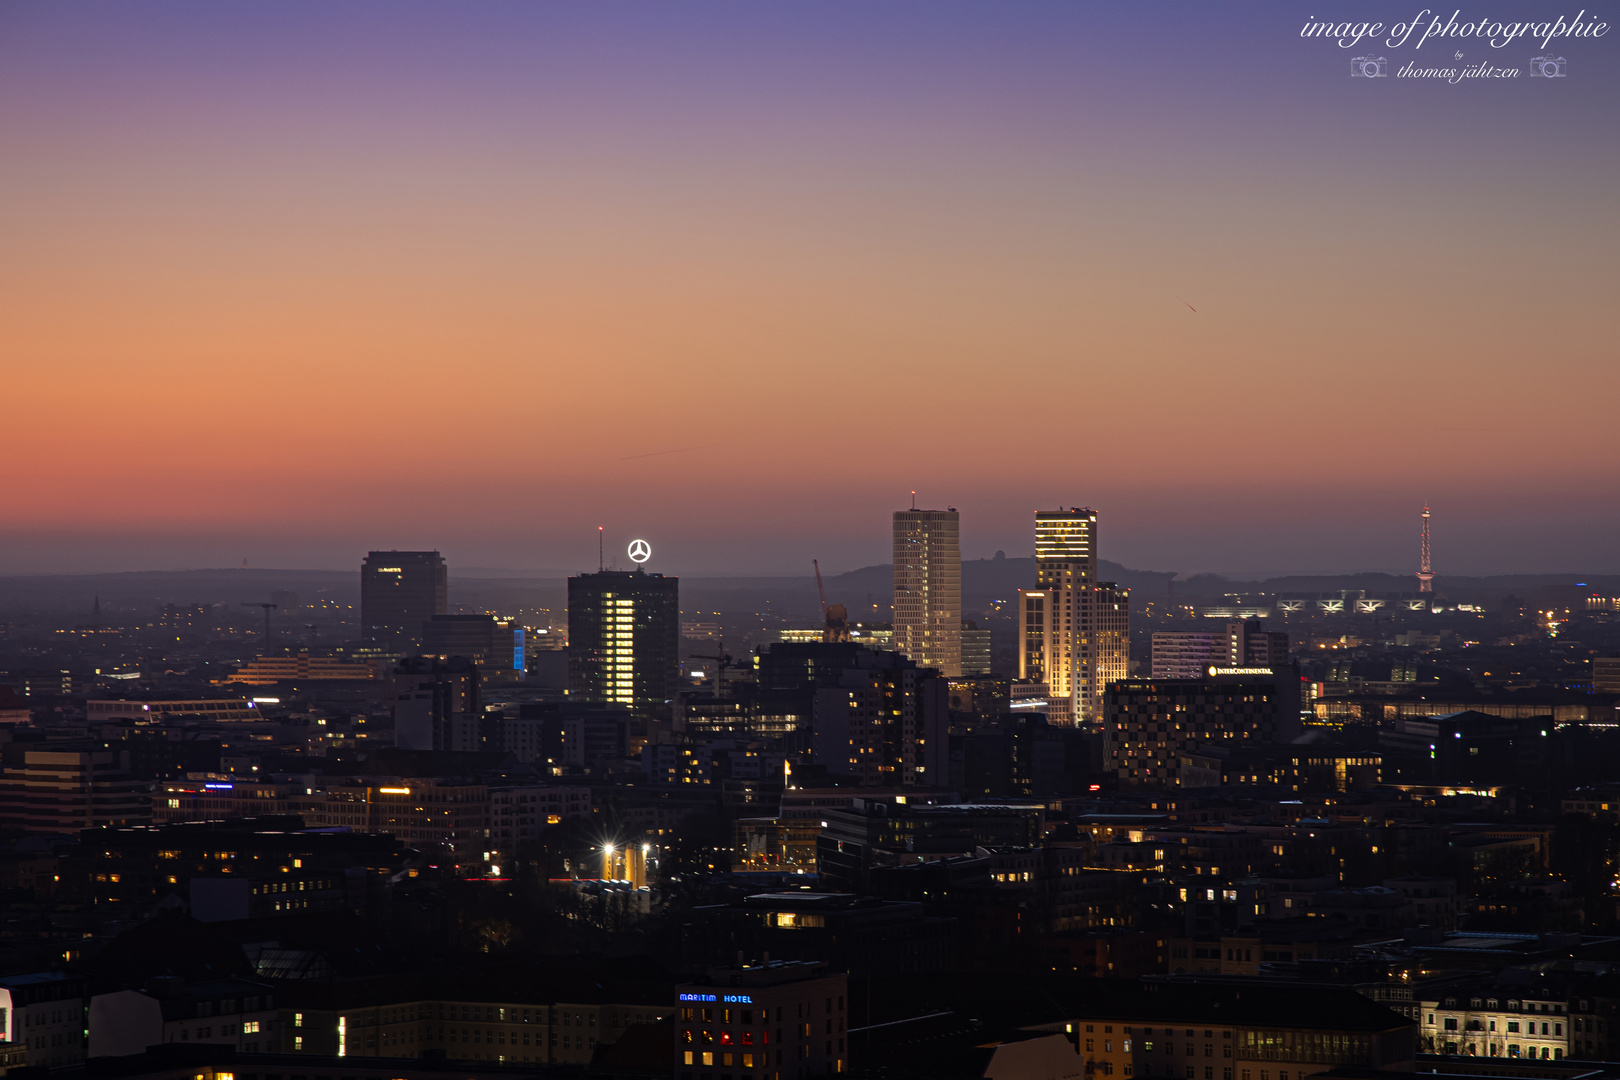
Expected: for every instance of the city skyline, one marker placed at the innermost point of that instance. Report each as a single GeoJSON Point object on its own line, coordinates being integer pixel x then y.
{"type": "Point", "coordinates": [904, 540]}
{"type": "Point", "coordinates": [115, 554]}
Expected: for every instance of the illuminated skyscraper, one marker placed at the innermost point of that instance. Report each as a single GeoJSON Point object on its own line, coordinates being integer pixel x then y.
{"type": "Point", "coordinates": [624, 635]}
{"type": "Point", "coordinates": [1073, 631]}
{"type": "Point", "coordinates": [928, 588]}
{"type": "Point", "coordinates": [399, 591]}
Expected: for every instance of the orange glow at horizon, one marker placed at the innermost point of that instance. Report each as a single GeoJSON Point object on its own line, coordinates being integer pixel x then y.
{"type": "Point", "coordinates": [316, 321]}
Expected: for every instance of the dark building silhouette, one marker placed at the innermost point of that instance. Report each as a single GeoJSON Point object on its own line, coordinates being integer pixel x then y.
{"type": "Point", "coordinates": [624, 633]}
{"type": "Point", "coordinates": [1174, 732]}
{"type": "Point", "coordinates": [1022, 755]}
{"type": "Point", "coordinates": [885, 721]}
{"type": "Point", "coordinates": [491, 643]}
{"type": "Point", "coordinates": [399, 591]}
{"type": "Point", "coordinates": [564, 737]}
{"type": "Point", "coordinates": [437, 704]}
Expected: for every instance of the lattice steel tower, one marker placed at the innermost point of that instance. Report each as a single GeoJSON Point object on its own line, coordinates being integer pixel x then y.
{"type": "Point", "coordinates": [1425, 574]}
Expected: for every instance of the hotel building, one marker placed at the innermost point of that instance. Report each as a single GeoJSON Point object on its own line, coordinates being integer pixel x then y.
{"type": "Point", "coordinates": [770, 1021]}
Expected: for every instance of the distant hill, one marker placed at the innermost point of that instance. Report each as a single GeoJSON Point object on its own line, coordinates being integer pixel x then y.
{"type": "Point", "coordinates": [144, 590]}
{"type": "Point", "coordinates": [1524, 585]}
{"type": "Point", "coordinates": [983, 580]}
{"type": "Point", "coordinates": [997, 579]}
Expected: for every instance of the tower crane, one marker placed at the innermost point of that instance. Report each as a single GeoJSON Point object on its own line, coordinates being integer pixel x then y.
{"type": "Point", "coordinates": [835, 617]}
{"type": "Point", "coordinates": [720, 657]}
{"type": "Point", "coordinates": [267, 609]}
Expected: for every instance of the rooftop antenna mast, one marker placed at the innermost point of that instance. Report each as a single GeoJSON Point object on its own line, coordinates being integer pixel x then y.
{"type": "Point", "coordinates": [1425, 574]}
{"type": "Point", "coordinates": [599, 549]}
{"type": "Point", "coordinates": [914, 500]}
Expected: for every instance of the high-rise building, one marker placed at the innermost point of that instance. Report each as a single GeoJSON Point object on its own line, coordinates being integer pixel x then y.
{"type": "Point", "coordinates": [1189, 654]}
{"type": "Point", "coordinates": [975, 649]}
{"type": "Point", "coordinates": [399, 591]}
{"type": "Point", "coordinates": [1109, 658]}
{"type": "Point", "coordinates": [1262, 648]}
{"type": "Point", "coordinates": [438, 704]}
{"type": "Point", "coordinates": [928, 588]}
{"type": "Point", "coordinates": [494, 644]}
{"type": "Point", "coordinates": [1073, 631]}
{"type": "Point", "coordinates": [885, 722]}
{"type": "Point", "coordinates": [1154, 725]}
{"type": "Point", "coordinates": [624, 637]}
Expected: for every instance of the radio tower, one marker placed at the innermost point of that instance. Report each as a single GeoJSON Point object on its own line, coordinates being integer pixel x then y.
{"type": "Point", "coordinates": [1425, 574]}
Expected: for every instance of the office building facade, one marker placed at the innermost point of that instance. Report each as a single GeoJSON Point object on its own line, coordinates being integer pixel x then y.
{"type": "Point", "coordinates": [495, 644]}
{"type": "Point", "coordinates": [886, 723]}
{"type": "Point", "coordinates": [1157, 729]}
{"type": "Point", "coordinates": [624, 636]}
{"type": "Point", "coordinates": [438, 704]}
{"type": "Point", "coordinates": [1073, 631]}
{"type": "Point", "coordinates": [928, 588]}
{"type": "Point", "coordinates": [300, 667]}
{"type": "Point", "coordinates": [64, 791]}
{"type": "Point", "coordinates": [399, 591]}
{"type": "Point", "coordinates": [976, 653]}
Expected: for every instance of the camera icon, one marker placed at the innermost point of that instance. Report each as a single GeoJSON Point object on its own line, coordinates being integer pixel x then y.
{"type": "Point", "coordinates": [1368, 67]}
{"type": "Point", "coordinates": [1549, 67]}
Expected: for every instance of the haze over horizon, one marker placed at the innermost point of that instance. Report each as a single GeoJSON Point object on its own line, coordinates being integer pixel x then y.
{"type": "Point", "coordinates": [689, 556]}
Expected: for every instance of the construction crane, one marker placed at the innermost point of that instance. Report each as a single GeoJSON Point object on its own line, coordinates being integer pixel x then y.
{"type": "Point", "coordinates": [720, 662]}
{"type": "Point", "coordinates": [267, 609]}
{"type": "Point", "coordinates": [834, 617]}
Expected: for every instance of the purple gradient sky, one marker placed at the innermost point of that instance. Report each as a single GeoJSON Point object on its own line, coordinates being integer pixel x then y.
{"type": "Point", "coordinates": [295, 280]}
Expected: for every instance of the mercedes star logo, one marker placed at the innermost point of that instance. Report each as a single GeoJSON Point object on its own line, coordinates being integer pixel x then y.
{"type": "Point", "coordinates": [640, 551]}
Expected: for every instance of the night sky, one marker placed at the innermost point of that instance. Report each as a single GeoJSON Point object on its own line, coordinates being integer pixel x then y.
{"type": "Point", "coordinates": [294, 280]}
